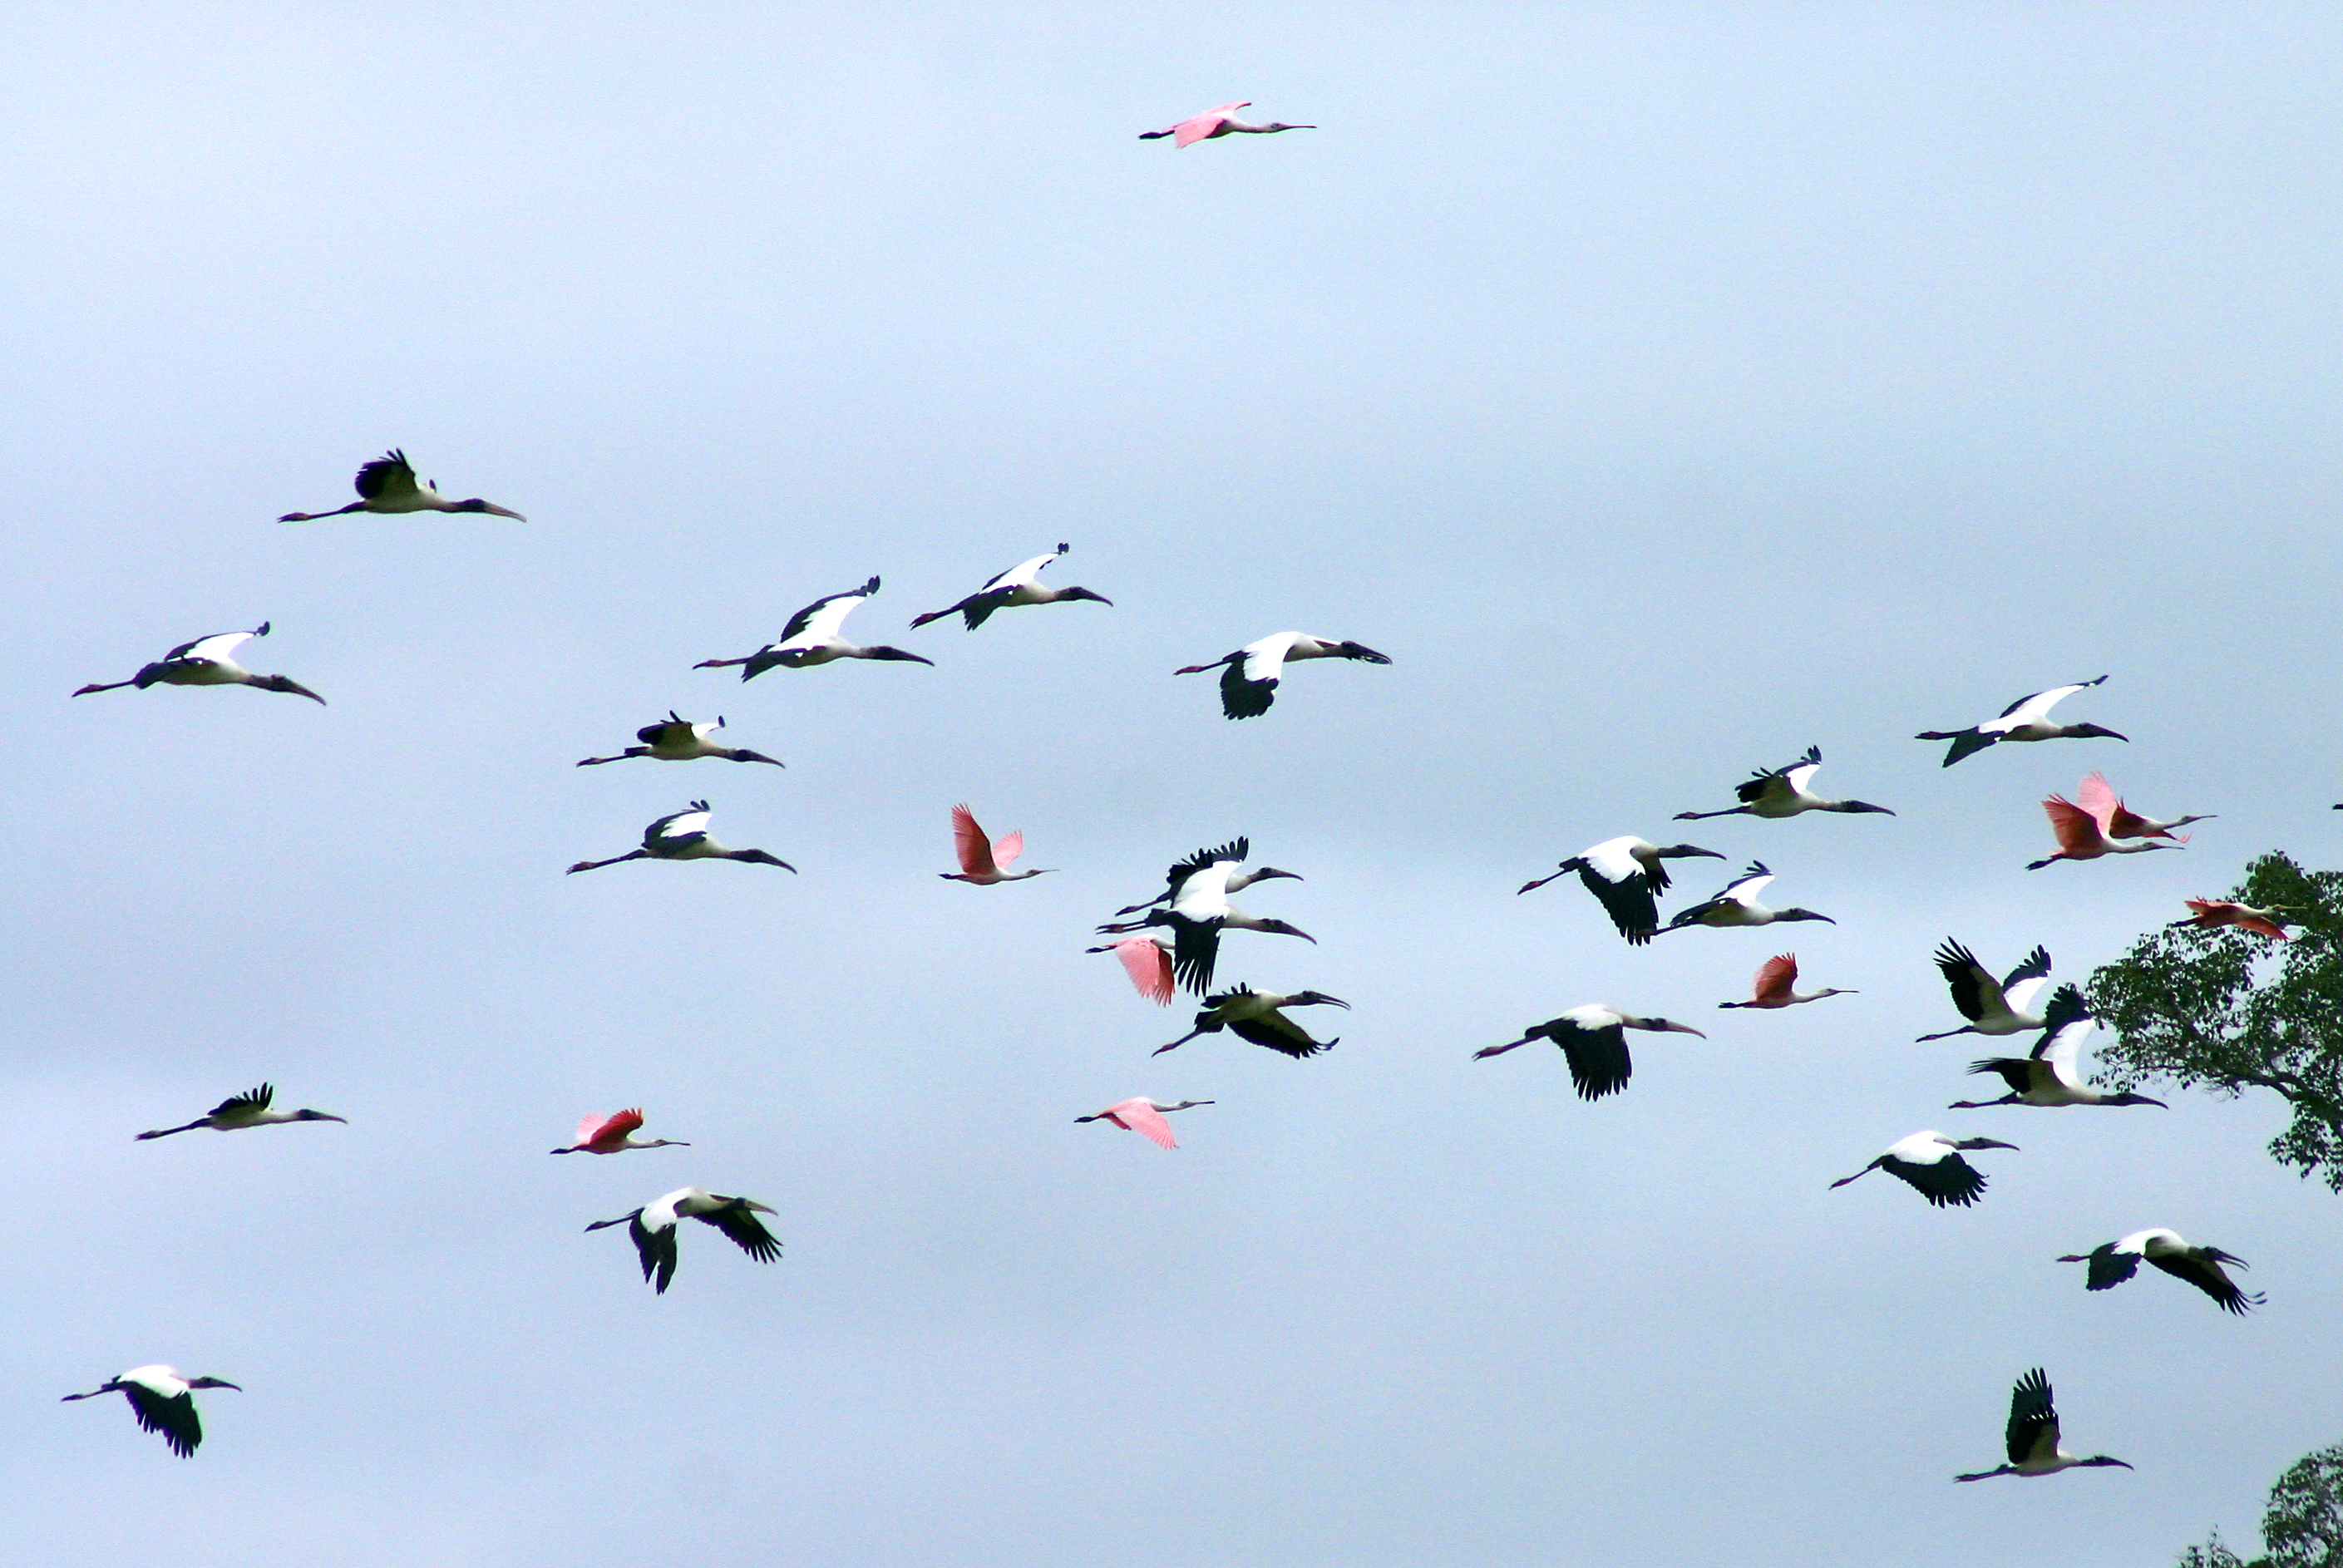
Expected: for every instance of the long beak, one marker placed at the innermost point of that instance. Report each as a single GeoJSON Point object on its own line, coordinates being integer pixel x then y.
{"type": "Point", "coordinates": [502, 511]}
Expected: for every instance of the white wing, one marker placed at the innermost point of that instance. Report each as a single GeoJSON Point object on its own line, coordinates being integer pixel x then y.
{"type": "Point", "coordinates": [215, 647]}
{"type": "Point", "coordinates": [1019, 576]}
{"type": "Point", "coordinates": [684, 825]}
{"type": "Point", "coordinates": [2032, 710]}
{"type": "Point", "coordinates": [2061, 1049]}
{"type": "Point", "coordinates": [1612, 861]}
{"type": "Point", "coordinates": [1746, 891]}
{"type": "Point", "coordinates": [822, 621]}
{"type": "Point", "coordinates": [1798, 776]}
{"type": "Point", "coordinates": [1264, 659]}
{"type": "Point", "coordinates": [1205, 895]}
{"type": "Point", "coordinates": [2019, 998]}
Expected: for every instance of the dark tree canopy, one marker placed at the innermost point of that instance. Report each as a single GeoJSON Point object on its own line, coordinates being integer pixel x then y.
{"type": "Point", "coordinates": [2226, 1009]}
{"type": "Point", "coordinates": [2302, 1527]}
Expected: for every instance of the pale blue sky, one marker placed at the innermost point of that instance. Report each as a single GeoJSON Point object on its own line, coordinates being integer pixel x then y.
{"type": "Point", "coordinates": [1664, 387]}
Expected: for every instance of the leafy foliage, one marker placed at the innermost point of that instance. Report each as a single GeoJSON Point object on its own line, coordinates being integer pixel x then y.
{"type": "Point", "coordinates": [2226, 1009]}
{"type": "Point", "coordinates": [2213, 1554]}
{"type": "Point", "coordinates": [2304, 1525]}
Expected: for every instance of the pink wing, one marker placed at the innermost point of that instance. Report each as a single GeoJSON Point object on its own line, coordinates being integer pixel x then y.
{"type": "Point", "coordinates": [1774, 981]}
{"type": "Point", "coordinates": [1147, 962]}
{"type": "Point", "coordinates": [1204, 125]}
{"type": "Point", "coordinates": [1141, 1117]}
{"type": "Point", "coordinates": [2077, 829]}
{"type": "Point", "coordinates": [975, 849]}
{"type": "Point", "coordinates": [2098, 797]}
{"type": "Point", "coordinates": [608, 1129]}
{"type": "Point", "coordinates": [1006, 849]}
{"type": "Point", "coordinates": [2261, 927]}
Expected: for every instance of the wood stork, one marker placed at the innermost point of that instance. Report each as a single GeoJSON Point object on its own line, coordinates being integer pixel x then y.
{"type": "Point", "coordinates": [2028, 719]}
{"type": "Point", "coordinates": [1930, 1164]}
{"type": "Point", "coordinates": [1627, 875]}
{"type": "Point", "coordinates": [1219, 121]}
{"type": "Point", "coordinates": [2118, 821]}
{"type": "Point", "coordinates": [1771, 988]}
{"type": "Point", "coordinates": [1258, 1016]}
{"type": "Point", "coordinates": [1144, 1117]}
{"type": "Point", "coordinates": [1019, 584]}
{"type": "Point", "coordinates": [249, 1109]}
{"type": "Point", "coordinates": [679, 740]}
{"type": "Point", "coordinates": [985, 861]}
{"type": "Point", "coordinates": [2032, 1435]}
{"type": "Point", "coordinates": [1991, 1006]}
{"type": "Point", "coordinates": [1775, 792]}
{"type": "Point", "coordinates": [683, 836]}
{"type": "Point", "coordinates": [1196, 920]}
{"type": "Point", "coordinates": [614, 1134]}
{"type": "Point", "coordinates": [2113, 1263]}
{"type": "Point", "coordinates": [2206, 913]}
{"type": "Point", "coordinates": [206, 662]}
{"type": "Point", "coordinates": [388, 485]}
{"type": "Point", "coordinates": [654, 1225]}
{"type": "Point", "coordinates": [1737, 905]}
{"type": "Point", "coordinates": [1594, 1040]}
{"type": "Point", "coordinates": [811, 639]}
{"type": "Point", "coordinates": [1234, 853]}
{"type": "Point", "coordinates": [2048, 1076]}
{"type": "Point", "coordinates": [163, 1401]}
{"type": "Point", "coordinates": [1147, 960]}
{"type": "Point", "coordinates": [2084, 834]}
{"type": "Point", "coordinates": [1249, 677]}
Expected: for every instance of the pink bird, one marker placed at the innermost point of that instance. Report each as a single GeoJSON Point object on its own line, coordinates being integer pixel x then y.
{"type": "Point", "coordinates": [1219, 121]}
{"type": "Point", "coordinates": [1147, 960]}
{"type": "Point", "coordinates": [982, 859]}
{"type": "Point", "coordinates": [2117, 820]}
{"type": "Point", "coordinates": [600, 1134]}
{"type": "Point", "coordinates": [1144, 1117]}
{"type": "Point", "coordinates": [2084, 835]}
{"type": "Point", "coordinates": [1774, 982]}
{"type": "Point", "coordinates": [2206, 913]}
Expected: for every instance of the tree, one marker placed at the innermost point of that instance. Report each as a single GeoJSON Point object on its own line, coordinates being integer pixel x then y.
{"type": "Point", "coordinates": [2228, 1011]}
{"type": "Point", "coordinates": [2301, 1528]}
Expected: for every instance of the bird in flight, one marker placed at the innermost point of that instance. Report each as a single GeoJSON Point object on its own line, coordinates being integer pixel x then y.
{"type": "Point", "coordinates": [1218, 121]}
{"type": "Point", "coordinates": [389, 485]}
{"type": "Point", "coordinates": [163, 1401]}
{"type": "Point", "coordinates": [2032, 1435]}
{"type": "Point", "coordinates": [250, 1109]}
{"type": "Point", "coordinates": [206, 661]}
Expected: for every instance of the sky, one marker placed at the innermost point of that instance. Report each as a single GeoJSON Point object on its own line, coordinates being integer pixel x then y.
{"type": "Point", "coordinates": [1664, 387]}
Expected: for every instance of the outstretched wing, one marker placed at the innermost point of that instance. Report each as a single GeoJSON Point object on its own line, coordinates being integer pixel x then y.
{"type": "Point", "coordinates": [818, 622]}
{"type": "Point", "coordinates": [1973, 990]}
{"type": "Point", "coordinates": [975, 849]}
{"type": "Point", "coordinates": [677, 828]}
{"type": "Point", "coordinates": [2032, 1429]}
{"type": "Point", "coordinates": [2035, 709]}
{"type": "Point", "coordinates": [1236, 851]}
{"type": "Point", "coordinates": [387, 477]}
{"type": "Point", "coordinates": [250, 1100]}
{"type": "Point", "coordinates": [742, 1228]}
{"type": "Point", "coordinates": [1949, 1181]}
{"type": "Point", "coordinates": [218, 646]}
{"type": "Point", "coordinates": [1599, 1062]}
{"type": "Point", "coordinates": [1018, 575]}
{"type": "Point", "coordinates": [1781, 783]}
{"type": "Point", "coordinates": [2107, 1267]}
{"type": "Point", "coordinates": [617, 1125]}
{"type": "Point", "coordinates": [1776, 977]}
{"type": "Point", "coordinates": [656, 1249]}
{"type": "Point", "coordinates": [2098, 797]}
{"type": "Point", "coordinates": [172, 1415]}
{"type": "Point", "coordinates": [1279, 1033]}
{"type": "Point", "coordinates": [1141, 1117]}
{"type": "Point", "coordinates": [1202, 126]}
{"type": "Point", "coordinates": [2078, 830]}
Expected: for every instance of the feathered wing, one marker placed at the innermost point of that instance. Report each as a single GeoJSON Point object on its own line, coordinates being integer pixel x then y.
{"type": "Point", "coordinates": [1149, 965]}
{"type": "Point", "coordinates": [976, 858]}
{"type": "Point", "coordinates": [1776, 977]}
{"type": "Point", "coordinates": [250, 1101]}
{"type": "Point", "coordinates": [617, 1124]}
{"type": "Point", "coordinates": [1140, 1116]}
{"type": "Point", "coordinates": [2106, 1267]}
{"type": "Point", "coordinates": [745, 1231]}
{"type": "Point", "coordinates": [174, 1416]}
{"type": "Point", "coordinates": [656, 1249]}
{"type": "Point", "coordinates": [819, 621]}
{"type": "Point", "coordinates": [388, 476]}
{"type": "Point", "coordinates": [1599, 1061]}
{"type": "Point", "coordinates": [1279, 1033]}
{"type": "Point", "coordinates": [2033, 1426]}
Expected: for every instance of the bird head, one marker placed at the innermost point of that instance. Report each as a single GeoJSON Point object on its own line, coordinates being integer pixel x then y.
{"type": "Point", "coordinates": [285, 683]}
{"type": "Point", "coordinates": [214, 1382]}
{"type": "Point", "coordinates": [1348, 649]}
{"type": "Point", "coordinates": [2083, 731]}
{"type": "Point", "coordinates": [1669, 1026]}
{"type": "Point", "coordinates": [764, 859]}
{"type": "Point", "coordinates": [2127, 1097]}
{"type": "Point", "coordinates": [1689, 852]}
{"type": "Point", "coordinates": [1271, 874]}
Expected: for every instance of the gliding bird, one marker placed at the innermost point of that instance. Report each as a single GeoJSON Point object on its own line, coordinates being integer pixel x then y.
{"type": "Point", "coordinates": [2084, 833]}
{"type": "Point", "coordinates": [2032, 1435]}
{"type": "Point", "coordinates": [2048, 1076]}
{"type": "Point", "coordinates": [683, 836]}
{"type": "Point", "coordinates": [1258, 1016]}
{"type": "Point", "coordinates": [2028, 719]}
{"type": "Point", "coordinates": [1249, 681]}
{"type": "Point", "coordinates": [983, 861]}
{"type": "Point", "coordinates": [1144, 1117]}
{"type": "Point", "coordinates": [206, 662]}
{"type": "Point", "coordinates": [1625, 875]}
{"type": "Point", "coordinates": [388, 485]}
{"type": "Point", "coordinates": [654, 1225]}
{"type": "Point", "coordinates": [2113, 1263]}
{"type": "Point", "coordinates": [1930, 1164]}
{"type": "Point", "coordinates": [1737, 905]}
{"type": "Point", "coordinates": [1775, 977]}
{"type": "Point", "coordinates": [811, 639]}
{"type": "Point", "coordinates": [249, 1109]}
{"type": "Point", "coordinates": [1019, 584]}
{"type": "Point", "coordinates": [162, 1401]}
{"type": "Point", "coordinates": [679, 740]}
{"type": "Point", "coordinates": [1991, 1006]}
{"type": "Point", "coordinates": [1594, 1042]}
{"type": "Point", "coordinates": [1219, 120]}
{"type": "Point", "coordinates": [2207, 913]}
{"type": "Point", "coordinates": [611, 1134]}
{"type": "Point", "coordinates": [1777, 792]}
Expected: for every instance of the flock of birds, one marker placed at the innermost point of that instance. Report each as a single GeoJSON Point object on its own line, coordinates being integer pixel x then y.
{"type": "Point", "coordinates": [1172, 940]}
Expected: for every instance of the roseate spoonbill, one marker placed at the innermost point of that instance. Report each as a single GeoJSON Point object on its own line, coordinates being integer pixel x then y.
{"type": "Point", "coordinates": [1249, 681]}
{"type": "Point", "coordinates": [1220, 121]}
{"type": "Point", "coordinates": [1147, 960]}
{"type": "Point", "coordinates": [679, 740]}
{"type": "Point", "coordinates": [611, 1134]}
{"type": "Point", "coordinates": [1772, 988]}
{"type": "Point", "coordinates": [2048, 1076]}
{"type": "Point", "coordinates": [811, 639]}
{"type": "Point", "coordinates": [249, 1109]}
{"type": "Point", "coordinates": [1144, 1117]}
{"type": "Point", "coordinates": [1737, 905]}
{"type": "Point", "coordinates": [683, 836]}
{"type": "Point", "coordinates": [163, 1401]}
{"type": "Point", "coordinates": [2028, 719]}
{"type": "Point", "coordinates": [2113, 1263]}
{"type": "Point", "coordinates": [1234, 853]}
{"type": "Point", "coordinates": [207, 662]}
{"type": "Point", "coordinates": [983, 861]}
{"type": "Point", "coordinates": [1594, 1040]}
{"type": "Point", "coordinates": [1196, 920]}
{"type": "Point", "coordinates": [2083, 833]}
{"type": "Point", "coordinates": [2032, 1435]}
{"type": "Point", "coordinates": [1019, 585]}
{"type": "Point", "coordinates": [1930, 1164]}
{"type": "Point", "coordinates": [1258, 1016]}
{"type": "Point", "coordinates": [1627, 875]}
{"type": "Point", "coordinates": [654, 1225]}
{"type": "Point", "coordinates": [2206, 913]}
{"type": "Point", "coordinates": [388, 485]}
{"type": "Point", "coordinates": [1773, 792]}
{"type": "Point", "coordinates": [1991, 1006]}
{"type": "Point", "coordinates": [2117, 820]}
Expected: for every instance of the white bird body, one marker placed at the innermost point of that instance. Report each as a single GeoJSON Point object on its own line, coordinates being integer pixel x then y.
{"type": "Point", "coordinates": [683, 836]}
{"type": "Point", "coordinates": [2049, 1077]}
{"type": "Point", "coordinates": [2031, 1437]}
{"type": "Point", "coordinates": [1930, 1164]}
{"type": "Point", "coordinates": [679, 740]}
{"type": "Point", "coordinates": [1019, 584]}
{"type": "Point", "coordinates": [1201, 910]}
{"type": "Point", "coordinates": [2028, 719]}
{"type": "Point", "coordinates": [1594, 1042]}
{"type": "Point", "coordinates": [1737, 905]}
{"type": "Point", "coordinates": [1774, 793]}
{"type": "Point", "coordinates": [389, 485]}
